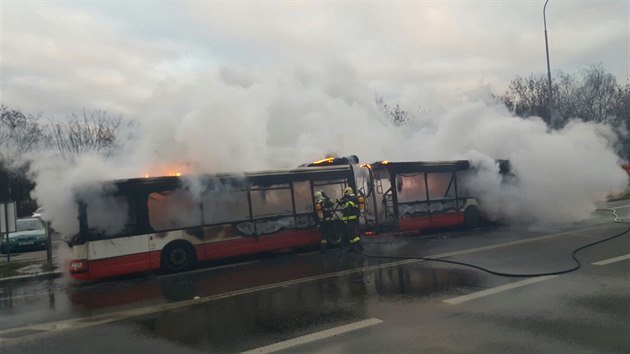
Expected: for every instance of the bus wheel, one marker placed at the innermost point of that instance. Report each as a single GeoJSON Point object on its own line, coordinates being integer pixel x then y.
{"type": "Point", "coordinates": [178, 256]}
{"type": "Point", "coordinates": [472, 217]}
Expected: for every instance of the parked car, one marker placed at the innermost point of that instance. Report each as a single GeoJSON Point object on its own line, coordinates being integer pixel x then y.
{"type": "Point", "coordinates": [30, 235]}
{"type": "Point", "coordinates": [38, 213]}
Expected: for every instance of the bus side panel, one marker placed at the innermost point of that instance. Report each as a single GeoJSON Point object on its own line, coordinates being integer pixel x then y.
{"type": "Point", "coordinates": [429, 222]}
{"type": "Point", "coordinates": [447, 219]}
{"type": "Point", "coordinates": [287, 239]}
{"type": "Point", "coordinates": [115, 256]}
{"type": "Point", "coordinates": [110, 267]}
{"type": "Point", "coordinates": [228, 248]}
{"type": "Point", "coordinates": [413, 223]}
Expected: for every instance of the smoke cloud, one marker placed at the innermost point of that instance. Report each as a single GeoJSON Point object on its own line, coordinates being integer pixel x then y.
{"type": "Point", "coordinates": [236, 119]}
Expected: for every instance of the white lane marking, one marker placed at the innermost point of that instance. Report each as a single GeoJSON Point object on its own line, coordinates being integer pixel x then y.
{"type": "Point", "coordinates": [314, 336]}
{"type": "Point", "coordinates": [617, 207]}
{"type": "Point", "coordinates": [612, 260]}
{"type": "Point", "coordinates": [498, 289]}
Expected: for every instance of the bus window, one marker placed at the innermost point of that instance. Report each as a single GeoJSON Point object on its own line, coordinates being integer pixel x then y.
{"type": "Point", "coordinates": [303, 204]}
{"type": "Point", "coordinates": [271, 201]}
{"type": "Point", "coordinates": [441, 186]}
{"type": "Point", "coordinates": [110, 215]}
{"type": "Point", "coordinates": [411, 188]}
{"type": "Point", "coordinates": [222, 206]}
{"type": "Point", "coordinates": [442, 192]}
{"type": "Point", "coordinates": [173, 210]}
{"type": "Point", "coordinates": [333, 189]}
{"type": "Point", "coordinates": [303, 197]}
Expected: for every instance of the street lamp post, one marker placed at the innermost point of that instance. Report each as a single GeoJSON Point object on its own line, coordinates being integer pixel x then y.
{"type": "Point", "coordinates": [549, 101]}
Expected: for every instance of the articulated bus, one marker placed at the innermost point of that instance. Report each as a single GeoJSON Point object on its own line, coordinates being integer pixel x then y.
{"type": "Point", "coordinates": [171, 223]}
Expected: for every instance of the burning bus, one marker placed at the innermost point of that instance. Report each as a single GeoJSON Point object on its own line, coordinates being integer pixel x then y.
{"type": "Point", "coordinates": [173, 222]}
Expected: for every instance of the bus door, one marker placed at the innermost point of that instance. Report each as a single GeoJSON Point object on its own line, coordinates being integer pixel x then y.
{"type": "Point", "coordinates": [366, 189]}
{"type": "Point", "coordinates": [383, 201]}
{"type": "Point", "coordinates": [334, 190]}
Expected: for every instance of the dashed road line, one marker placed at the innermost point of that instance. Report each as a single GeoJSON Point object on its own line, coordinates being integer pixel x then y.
{"type": "Point", "coordinates": [314, 336]}
{"type": "Point", "coordinates": [612, 260]}
{"type": "Point", "coordinates": [496, 290]}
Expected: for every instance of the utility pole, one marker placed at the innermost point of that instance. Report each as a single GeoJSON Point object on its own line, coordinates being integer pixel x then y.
{"type": "Point", "coordinates": [552, 121]}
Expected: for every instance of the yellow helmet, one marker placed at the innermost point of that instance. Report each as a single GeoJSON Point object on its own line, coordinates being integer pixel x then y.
{"type": "Point", "coordinates": [318, 195]}
{"type": "Point", "coordinates": [348, 190]}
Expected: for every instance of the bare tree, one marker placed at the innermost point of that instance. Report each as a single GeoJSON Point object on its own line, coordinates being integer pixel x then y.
{"type": "Point", "coordinates": [528, 97]}
{"type": "Point", "coordinates": [398, 115]}
{"type": "Point", "coordinates": [596, 95]}
{"type": "Point", "coordinates": [19, 133]}
{"type": "Point", "coordinates": [90, 132]}
{"type": "Point", "coordinates": [620, 119]}
{"type": "Point", "coordinates": [565, 99]}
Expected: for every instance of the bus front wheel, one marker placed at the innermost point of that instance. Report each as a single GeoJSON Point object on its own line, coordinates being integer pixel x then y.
{"type": "Point", "coordinates": [178, 256]}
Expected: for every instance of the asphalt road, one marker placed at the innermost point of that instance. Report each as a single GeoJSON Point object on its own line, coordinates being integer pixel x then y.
{"type": "Point", "coordinates": [339, 302]}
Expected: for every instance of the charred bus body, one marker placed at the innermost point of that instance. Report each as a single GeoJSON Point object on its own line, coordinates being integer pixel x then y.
{"type": "Point", "coordinates": [171, 223]}
{"type": "Point", "coordinates": [409, 196]}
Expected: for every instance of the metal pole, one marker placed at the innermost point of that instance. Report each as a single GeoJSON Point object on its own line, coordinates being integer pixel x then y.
{"type": "Point", "coordinates": [552, 121]}
{"type": "Point", "coordinates": [6, 217]}
{"type": "Point", "coordinates": [6, 229]}
{"type": "Point", "coordinates": [48, 244]}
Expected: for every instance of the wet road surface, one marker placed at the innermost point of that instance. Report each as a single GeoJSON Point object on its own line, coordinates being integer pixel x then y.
{"type": "Point", "coordinates": [339, 302]}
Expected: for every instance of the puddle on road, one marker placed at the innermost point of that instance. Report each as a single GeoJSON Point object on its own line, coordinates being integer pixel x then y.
{"type": "Point", "coordinates": [256, 319]}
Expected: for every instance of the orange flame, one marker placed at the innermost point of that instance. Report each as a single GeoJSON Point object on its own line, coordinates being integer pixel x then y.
{"type": "Point", "coordinates": [326, 160]}
{"type": "Point", "coordinates": [167, 170]}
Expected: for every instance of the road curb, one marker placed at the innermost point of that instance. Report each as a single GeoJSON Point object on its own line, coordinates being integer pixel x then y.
{"type": "Point", "coordinates": [27, 277]}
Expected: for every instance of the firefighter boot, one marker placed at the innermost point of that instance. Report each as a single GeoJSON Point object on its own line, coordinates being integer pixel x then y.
{"type": "Point", "coordinates": [323, 245]}
{"type": "Point", "coordinates": [355, 244]}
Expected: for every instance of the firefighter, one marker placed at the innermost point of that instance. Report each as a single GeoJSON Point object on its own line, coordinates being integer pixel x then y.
{"type": "Point", "coordinates": [325, 210]}
{"type": "Point", "coordinates": [350, 205]}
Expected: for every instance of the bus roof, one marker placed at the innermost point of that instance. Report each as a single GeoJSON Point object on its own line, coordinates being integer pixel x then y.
{"type": "Point", "coordinates": [421, 166]}
{"type": "Point", "coordinates": [333, 161]}
{"type": "Point", "coordinates": [268, 177]}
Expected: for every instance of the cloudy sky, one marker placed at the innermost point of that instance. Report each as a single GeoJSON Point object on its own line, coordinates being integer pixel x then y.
{"type": "Point", "coordinates": [251, 85]}
{"type": "Point", "coordinates": [63, 56]}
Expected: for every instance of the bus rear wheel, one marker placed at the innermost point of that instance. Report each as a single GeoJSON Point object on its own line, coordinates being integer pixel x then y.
{"type": "Point", "coordinates": [472, 218]}
{"type": "Point", "coordinates": [178, 256]}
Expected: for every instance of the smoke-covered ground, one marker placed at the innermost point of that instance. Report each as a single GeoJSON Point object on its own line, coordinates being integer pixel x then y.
{"type": "Point", "coordinates": [235, 120]}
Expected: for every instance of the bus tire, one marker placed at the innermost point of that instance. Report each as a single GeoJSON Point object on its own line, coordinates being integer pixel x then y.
{"type": "Point", "coordinates": [472, 217]}
{"type": "Point", "coordinates": [178, 256]}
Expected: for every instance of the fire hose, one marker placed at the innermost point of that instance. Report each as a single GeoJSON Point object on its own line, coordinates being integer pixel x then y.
{"type": "Point", "coordinates": [577, 265]}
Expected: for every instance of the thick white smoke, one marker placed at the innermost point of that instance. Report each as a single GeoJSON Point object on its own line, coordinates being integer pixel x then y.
{"type": "Point", "coordinates": [235, 120]}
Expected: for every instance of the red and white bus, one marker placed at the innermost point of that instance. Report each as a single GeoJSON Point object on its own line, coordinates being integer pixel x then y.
{"type": "Point", "coordinates": [170, 223]}
{"type": "Point", "coordinates": [137, 225]}
{"type": "Point", "coordinates": [410, 196]}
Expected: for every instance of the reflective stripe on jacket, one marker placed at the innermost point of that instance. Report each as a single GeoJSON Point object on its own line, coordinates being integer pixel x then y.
{"type": "Point", "coordinates": [350, 205]}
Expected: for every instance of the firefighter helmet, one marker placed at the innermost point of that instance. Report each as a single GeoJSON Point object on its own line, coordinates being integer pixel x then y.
{"type": "Point", "coordinates": [348, 190]}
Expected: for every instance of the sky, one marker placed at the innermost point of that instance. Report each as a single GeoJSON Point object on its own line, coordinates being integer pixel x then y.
{"type": "Point", "coordinates": [245, 86]}
{"type": "Point", "coordinates": [63, 56]}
